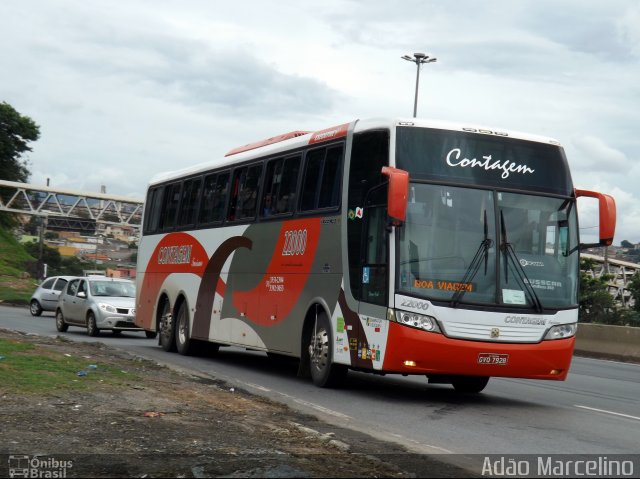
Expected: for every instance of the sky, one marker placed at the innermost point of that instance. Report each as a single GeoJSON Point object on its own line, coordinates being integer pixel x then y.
{"type": "Point", "coordinates": [124, 90]}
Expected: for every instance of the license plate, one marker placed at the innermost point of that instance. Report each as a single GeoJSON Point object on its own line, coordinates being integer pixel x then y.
{"type": "Point", "coordinates": [493, 359]}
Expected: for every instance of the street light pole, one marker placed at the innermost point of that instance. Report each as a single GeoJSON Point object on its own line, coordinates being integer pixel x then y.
{"type": "Point", "coordinates": [418, 59]}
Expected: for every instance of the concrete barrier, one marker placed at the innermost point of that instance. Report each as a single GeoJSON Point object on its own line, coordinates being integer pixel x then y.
{"type": "Point", "coordinates": [604, 341]}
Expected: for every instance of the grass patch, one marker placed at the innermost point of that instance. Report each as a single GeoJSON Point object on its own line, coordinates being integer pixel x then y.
{"type": "Point", "coordinates": [16, 291]}
{"type": "Point", "coordinates": [13, 256]}
{"type": "Point", "coordinates": [28, 369]}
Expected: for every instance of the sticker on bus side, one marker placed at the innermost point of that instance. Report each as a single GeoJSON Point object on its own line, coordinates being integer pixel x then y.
{"type": "Point", "coordinates": [329, 134]}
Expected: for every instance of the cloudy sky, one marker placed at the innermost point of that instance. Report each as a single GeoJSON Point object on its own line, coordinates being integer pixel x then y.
{"type": "Point", "coordinates": [124, 89]}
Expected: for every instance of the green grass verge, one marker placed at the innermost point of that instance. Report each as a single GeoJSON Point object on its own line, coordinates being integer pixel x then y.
{"type": "Point", "coordinates": [28, 369]}
{"type": "Point", "coordinates": [13, 256]}
{"type": "Point", "coordinates": [17, 293]}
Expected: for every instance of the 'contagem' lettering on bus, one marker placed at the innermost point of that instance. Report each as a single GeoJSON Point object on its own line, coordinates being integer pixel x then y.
{"type": "Point", "coordinates": [175, 255]}
{"type": "Point", "coordinates": [488, 163]}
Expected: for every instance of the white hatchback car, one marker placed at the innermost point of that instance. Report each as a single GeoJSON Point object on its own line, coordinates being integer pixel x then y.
{"type": "Point", "coordinates": [98, 303]}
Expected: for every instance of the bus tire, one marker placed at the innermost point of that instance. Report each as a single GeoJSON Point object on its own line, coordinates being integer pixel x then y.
{"type": "Point", "coordinates": [324, 372]}
{"type": "Point", "coordinates": [469, 384]}
{"type": "Point", "coordinates": [184, 344]}
{"type": "Point", "coordinates": [167, 328]}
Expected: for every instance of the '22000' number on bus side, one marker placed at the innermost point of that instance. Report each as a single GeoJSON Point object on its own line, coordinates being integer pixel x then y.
{"type": "Point", "coordinates": [295, 243]}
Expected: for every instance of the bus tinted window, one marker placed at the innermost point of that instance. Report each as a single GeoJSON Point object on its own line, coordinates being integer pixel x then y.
{"type": "Point", "coordinates": [330, 185]}
{"type": "Point", "coordinates": [322, 175]}
{"type": "Point", "coordinates": [152, 210]}
{"type": "Point", "coordinates": [189, 203]}
{"type": "Point", "coordinates": [214, 195]}
{"type": "Point", "coordinates": [170, 206]}
{"type": "Point", "coordinates": [280, 184]}
{"type": "Point", "coordinates": [244, 193]}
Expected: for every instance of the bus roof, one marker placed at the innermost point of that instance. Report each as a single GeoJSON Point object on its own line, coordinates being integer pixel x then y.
{"type": "Point", "coordinates": [298, 139]}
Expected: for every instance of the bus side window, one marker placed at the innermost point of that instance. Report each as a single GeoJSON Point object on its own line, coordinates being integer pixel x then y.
{"type": "Point", "coordinates": [170, 206]}
{"type": "Point", "coordinates": [280, 184]}
{"type": "Point", "coordinates": [286, 199]}
{"type": "Point", "coordinates": [214, 195]}
{"type": "Point", "coordinates": [189, 202]}
{"type": "Point", "coordinates": [207, 201]}
{"type": "Point", "coordinates": [244, 193]}
{"type": "Point", "coordinates": [220, 196]}
{"type": "Point", "coordinates": [322, 177]}
{"type": "Point", "coordinates": [272, 181]}
{"type": "Point", "coordinates": [152, 210]}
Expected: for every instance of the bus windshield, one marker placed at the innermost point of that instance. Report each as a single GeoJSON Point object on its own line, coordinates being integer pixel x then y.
{"type": "Point", "coordinates": [466, 245]}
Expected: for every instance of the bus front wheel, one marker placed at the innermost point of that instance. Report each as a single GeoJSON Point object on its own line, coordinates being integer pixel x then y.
{"type": "Point", "coordinates": [469, 384]}
{"type": "Point", "coordinates": [324, 372]}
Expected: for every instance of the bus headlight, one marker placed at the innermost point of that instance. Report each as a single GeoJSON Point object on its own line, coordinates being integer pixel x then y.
{"type": "Point", "coordinates": [419, 321]}
{"type": "Point", "coordinates": [561, 331]}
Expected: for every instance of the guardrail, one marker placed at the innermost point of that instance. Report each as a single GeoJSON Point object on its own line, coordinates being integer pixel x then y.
{"type": "Point", "coordinates": [605, 341]}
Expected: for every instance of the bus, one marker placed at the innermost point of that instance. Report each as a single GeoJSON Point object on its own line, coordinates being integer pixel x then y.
{"type": "Point", "coordinates": [384, 245]}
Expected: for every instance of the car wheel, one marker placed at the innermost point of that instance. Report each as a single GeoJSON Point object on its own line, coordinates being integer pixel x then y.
{"type": "Point", "coordinates": [92, 327]}
{"type": "Point", "coordinates": [35, 308]}
{"type": "Point", "coordinates": [184, 344]}
{"type": "Point", "coordinates": [324, 372]}
{"type": "Point", "coordinates": [469, 384]}
{"type": "Point", "coordinates": [60, 324]}
{"type": "Point", "coordinates": [167, 327]}
{"type": "Point", "coordinates": [150, 334]}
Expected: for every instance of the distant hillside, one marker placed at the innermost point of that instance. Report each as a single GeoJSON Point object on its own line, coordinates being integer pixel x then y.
{"type": "Point", "coordinates": [13, 256]}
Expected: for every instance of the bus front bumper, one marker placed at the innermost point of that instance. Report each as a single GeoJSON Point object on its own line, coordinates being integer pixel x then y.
{"type": "Point", "coordinates": [412, 351]}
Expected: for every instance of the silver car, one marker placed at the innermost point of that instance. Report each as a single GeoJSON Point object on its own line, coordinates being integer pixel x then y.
{"type": "Point", "coordinates": [45, 297]}
{"type": "Point", "coordinates": [97, 303]}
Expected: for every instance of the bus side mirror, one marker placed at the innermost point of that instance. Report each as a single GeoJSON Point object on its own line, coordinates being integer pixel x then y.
{"type": "Point", "coordinates": [397, 194]}
{"type": "Point", "coordinates": [607, 207]}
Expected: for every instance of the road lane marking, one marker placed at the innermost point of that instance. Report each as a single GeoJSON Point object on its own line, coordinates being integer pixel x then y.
{"type": "Point", "coordinates": [256, 386]}
{"type": "Point", "coordinates": [608, 412]}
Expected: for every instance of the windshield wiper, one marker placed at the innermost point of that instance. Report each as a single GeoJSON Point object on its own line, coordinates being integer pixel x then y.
{"type": "Point", "coordinates": [474, 266]}
{"type": "Point", "coordinates": [509, 252]}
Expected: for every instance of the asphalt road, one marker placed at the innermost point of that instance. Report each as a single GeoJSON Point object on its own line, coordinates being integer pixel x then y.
{"type": "Point", "coordinates": [595, 411]}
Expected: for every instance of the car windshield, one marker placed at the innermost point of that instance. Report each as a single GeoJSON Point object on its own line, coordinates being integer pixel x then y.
{"type": "Point", "coordinates": [113, 288]}
{"type": "Point", "coordinates": [465, 245]}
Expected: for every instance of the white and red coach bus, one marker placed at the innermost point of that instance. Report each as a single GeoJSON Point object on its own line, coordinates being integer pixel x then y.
{"type": "Point", "coordinates": [387, 246]}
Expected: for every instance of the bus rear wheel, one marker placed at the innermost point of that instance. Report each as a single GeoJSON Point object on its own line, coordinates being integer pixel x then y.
{"type": "Point", "coordinates": [469, 384]}
{"type": "Point", "coordinates": [184, 344]}
{"type": "Point", "coordinates": [324, 372]}
{"type": "Point", "coordinates": [167, 329]}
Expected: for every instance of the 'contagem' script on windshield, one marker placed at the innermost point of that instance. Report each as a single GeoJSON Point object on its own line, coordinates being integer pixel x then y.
{"type": "Point", "coordinates": [507, 167]}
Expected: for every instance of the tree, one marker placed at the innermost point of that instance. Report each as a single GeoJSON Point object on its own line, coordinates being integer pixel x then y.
{"type": "Point", "coordinates": [595, 301]}
{"type": "Point", "coordinates": [626, 244]}
{"type": "Point", "coordinates": [16, 131]}
{"type": "Point", "coordinates": [634, 288]}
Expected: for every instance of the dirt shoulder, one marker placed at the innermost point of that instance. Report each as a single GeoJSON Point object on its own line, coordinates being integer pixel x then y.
{"type": "Point", "coordinates": [109, 414]}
